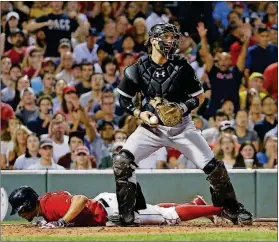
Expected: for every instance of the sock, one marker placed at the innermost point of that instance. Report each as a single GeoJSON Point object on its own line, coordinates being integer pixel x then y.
{"type": "Point", "coordinates": [189, 212]}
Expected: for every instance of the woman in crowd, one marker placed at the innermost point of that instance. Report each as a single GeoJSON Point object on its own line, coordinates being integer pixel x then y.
{"type": "Point", "coordinates": [270, 17]}
{"type": "Point", "coordinates": [31, 156]}
{"type": "Point", "coordinates": [82, 161]}
{"type": "Point", "coordinates": [247, 157]}
{"type": "Point", "coordinates": [7, 140]}
{"type": "Point", "coordinates": [133, 12]}
{"type": "Point", "coordinates": [57, 101]}
{"type": "Point", "coordinates": [140, 35]}
{"type": "Point", "coordinates": [269, 154]}
{"type": "Point", "coordinates": [19, 145]}
{"type": "Point", "coordinates": [225, 150]}
{"type": "Point", "coordinates": [21, 83]}
{"type": "Point", "coordinates": [255, 111]}
{"type": "Point", "coordinates": [110, 70]}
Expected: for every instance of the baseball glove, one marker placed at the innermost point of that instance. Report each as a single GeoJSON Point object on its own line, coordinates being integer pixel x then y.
{"type": "Point", "coordinates": [170, 113]}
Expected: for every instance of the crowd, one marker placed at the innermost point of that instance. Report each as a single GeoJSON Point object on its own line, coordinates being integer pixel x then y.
{"type": "Point", "coordinates": [61, 63]}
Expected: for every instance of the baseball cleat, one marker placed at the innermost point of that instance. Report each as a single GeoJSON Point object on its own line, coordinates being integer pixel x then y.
{"type": "Point", "coordinates": [240, 217]}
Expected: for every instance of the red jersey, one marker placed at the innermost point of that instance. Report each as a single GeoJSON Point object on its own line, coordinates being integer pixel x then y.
{"type": "Point", "coordinates": [54, 205]}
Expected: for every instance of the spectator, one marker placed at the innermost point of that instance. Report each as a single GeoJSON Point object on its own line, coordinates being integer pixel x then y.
{"type": "Point", "coordinates": [106, 130]}
{"type": "Point", "coordinates": [110, 40]}
{"type": "Point", "coordinates": [82, 159]}
{"type": "Point", "coordinates": [66, 73]}
{"type": "Point", "coordinates": [122, 26]}
{"type": "Point", "coordinates": [73, 9]}
{"type": "Point", "coordinates": [31, 156]}
{"type": "Point", "coordinates": [270, 120]}
{"type": "Point", "coordinates": [256, 81]}
{"type": "Point", "coordinates": [8, 93]}
{"type": "Point", "coordinates": [46, 152]}
{"type": "Point", "coordinates": [260, 55]}
{"type": "Point", "coordinates": [7, 134]}
{"type": "Point", "coordinates": [64, 47]}
{"type": "Point", "coordinates": [90, 99]}
{"type": "Point", "coordinates": [274, 35]}
{"type": "Point", "coordinates": [87, 51]}
{"type": "Point", "coordinates": [199, 122]}
{"type": "Point", "coordinates": [270, 17]}
{"type": "Point", "coordinates": [273, 132]}
{"type": "Point", "coordinates": [48, 84]}
{"type": "Point", "coordinates": [86, 71]}
{"type": "Point", "coordinates": [212, 134]}
{"type": "Point", "coordinates": [12, 25]}
{"type": "Point", "coordinates": [133, 12]}
{"type": "Point", "coordinates": [120, 135]}
{"type": "Point", "coordinates": [6, 64]}
{"type": "Point", "coordinates": [271, 80]}
{"type": "Point", "coordinates": [226, 150]}
{"type": "Point", "coordinates": [268, 157]}
{"type": "Point", "coordinates": [27, 109]}
{"type": "Point", "coordinates": [40, 125]}
{"type": "Point", "coordinates": [57, 101]}
{"type": "Point", "coordinates": [19, 145]}
{"type": "Point", "coordinates": [17, 52]}
{"type": "Point", "coordinates": [224, 80]}
{"type": "Point", "coordinates": [102, 53]}
{"type": "Point", "coordinates": [157, 15]}
{"type": "Point", "coordinates": [21, 83]}
{"type": "Point", "coordinates": [56, 26]}
{"type": "Point", "coordinates": [57, 131]}
{"type": "Point", "coordinates": [242, 132]}
{"type": "Point", "coordinates": [34, 63]}
{"type": "Point", "coordinates": [140, 33]}
{"type": "Point", "coordinates": [103, 17]}
{"type": "Point", "coordinates": [109, 67]}
{"type": "Point", "coordinates": [247, 153]}
{"type": "Point", "coordinates": [107, 111]}
{"type": "Point", "coordinates": [155, 160]}
{"type": "Point", "coordinates": [41, 39]}
{"type": "Point", "coordinates": [76, 68]}
{"type": "Point", "coordinates": [221, 12]}
{"type": "Point", "coordinates": [228, 108]}
{"type": "Point", "coordinates": [255, 111]}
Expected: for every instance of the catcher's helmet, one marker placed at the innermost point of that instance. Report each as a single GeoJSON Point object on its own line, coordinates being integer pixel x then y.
{"type": "Point", "coordinates": [23, 197]}
{"type": "Point", "coordinates": [167, 47]}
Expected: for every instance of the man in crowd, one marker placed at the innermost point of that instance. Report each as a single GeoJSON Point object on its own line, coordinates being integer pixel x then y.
{"type": "Point", "coordinates": [40, 125]}
{"type": "Point", "coordinates": [46, 161]}
{"type": "Point", "coordinates": [17, 53]}
{"type": "Point", "coordinates": [48, 84]}
{"type": "Point", "coordinates": [270, 120]}
{"type": "Point", "coordinates": [262, 54]}
{"type": "Point", "coordinates": [6, 64]}
{"type": "Point", "coordinates": [87, 51]}
{"type": "Point", "coordinates": [86, 71]}
{"type": "Point", "coordinates": [90, 99]}
{"type": "Point", "coordinates": [224, 79]}
{"type": "Point", "coordinates": [106, 130]}
{"type": "Point", "coordinates": [56, 26]}
{"type": "Point", "coordinates": [27, 109]}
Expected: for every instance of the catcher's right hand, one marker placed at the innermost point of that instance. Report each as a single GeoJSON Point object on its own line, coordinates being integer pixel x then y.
{"type": "Point", "coordinates": [145, 117]}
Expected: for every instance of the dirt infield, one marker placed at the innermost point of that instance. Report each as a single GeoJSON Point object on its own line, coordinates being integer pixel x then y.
{"type": "Point", "coordinates": [189, 227]}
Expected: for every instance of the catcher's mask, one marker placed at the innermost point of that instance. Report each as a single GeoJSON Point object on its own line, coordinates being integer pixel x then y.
{"type": "Point", "coordinates": [23, 198]}
{"type": "Point", "coordinates": [168, 38]}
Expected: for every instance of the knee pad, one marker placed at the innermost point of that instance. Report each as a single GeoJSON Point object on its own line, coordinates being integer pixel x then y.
{"type": "Point", "coordinates": [122, 165]}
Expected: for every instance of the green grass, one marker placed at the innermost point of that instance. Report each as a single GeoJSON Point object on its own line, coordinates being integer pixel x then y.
{"type": "Point", "coordinates": [200, 236]}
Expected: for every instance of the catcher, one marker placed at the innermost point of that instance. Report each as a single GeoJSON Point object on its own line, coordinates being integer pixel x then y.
{"type": "Point", "coordinates": [170, 91]}
{"type": "Point", "coordinates": [61, 209]}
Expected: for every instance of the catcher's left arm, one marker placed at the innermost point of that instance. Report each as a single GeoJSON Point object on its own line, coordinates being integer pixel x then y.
{"type": "Point", "coordinates": [78, 203]}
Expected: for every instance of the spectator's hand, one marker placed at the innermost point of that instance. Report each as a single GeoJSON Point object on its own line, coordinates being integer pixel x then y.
{"type": "Point", "coordinates": [247, 32]}
{"type": "Point", "coordinates": [73, 14]}
{"type": "Point", "coordinates": [201, 30]}
{"type": "Point", "coordinates": [100, 114]}
{"type": "Point", "coordinates": [50, 23]}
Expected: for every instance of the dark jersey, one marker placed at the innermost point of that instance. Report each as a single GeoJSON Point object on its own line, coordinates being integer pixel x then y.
{"type": "Point", "coordinates": [175, 80]}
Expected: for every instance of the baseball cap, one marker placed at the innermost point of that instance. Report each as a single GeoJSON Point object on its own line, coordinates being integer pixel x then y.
{"type": "Point", "coordinates": [7, 113]}
{"type": "Point", "coordinates": [225, 125]}
{"type": "Point", "coordinates": [93, 32]}
{"type": "Point", "coordinates": [27, 89]}
{"type": "Point", "coordinates": [116, 146]}
{"type": "Point", "coordinates": [12, 14]}
{"type": "Point", "coordinates": [46, 142]}
{"type": "Point", "coordinates": [102, 123]}
{"type": "Point", "coordinates": [47, 60]}
{"type": "Point", "coordinates": [82, 149]}
{"type": "Point", "coordinates": [64, 42]}
{"type": "Point", "coordinates": [69, 89]}
{"type": "Point", "coordinates": [256, 75]}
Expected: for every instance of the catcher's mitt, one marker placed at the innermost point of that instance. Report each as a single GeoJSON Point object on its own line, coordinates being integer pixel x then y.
{"type": "Point", "coordinates": [170, 113]}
